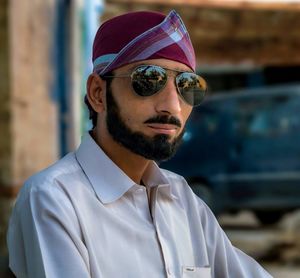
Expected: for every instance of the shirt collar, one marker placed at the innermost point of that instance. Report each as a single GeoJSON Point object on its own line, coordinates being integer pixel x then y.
{"type": "Point", "coordinates": [154, 176]}
{"type": "Point", "coordinates": [108, 180]}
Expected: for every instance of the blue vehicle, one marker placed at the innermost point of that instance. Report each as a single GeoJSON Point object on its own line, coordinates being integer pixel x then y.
{"type": "Point", "coordinates": [241, 150]}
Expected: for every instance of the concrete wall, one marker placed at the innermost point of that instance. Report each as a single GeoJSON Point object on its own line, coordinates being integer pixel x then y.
{"type": "Point", "coordinates": [5, 121]}
{"type": "Point", "coordinates": [33, 110]}
{"type": "Point", "coordinates": [28, 112]}
{"type": "Point", "coordinates": [5, 115]}
{"type": "Point", "coordinates": [257, 34]}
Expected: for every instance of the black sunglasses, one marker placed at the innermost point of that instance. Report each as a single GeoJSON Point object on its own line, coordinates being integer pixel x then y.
{"type": "Point", "coordinates": [147, 80]}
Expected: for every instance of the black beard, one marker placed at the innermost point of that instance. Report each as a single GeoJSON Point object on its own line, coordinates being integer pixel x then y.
{"type": "Point", "coordinates": [156, 148]}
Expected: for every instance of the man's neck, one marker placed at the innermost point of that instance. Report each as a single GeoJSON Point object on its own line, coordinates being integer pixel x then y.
{"type": "Point", "coordinates": [131, 164]}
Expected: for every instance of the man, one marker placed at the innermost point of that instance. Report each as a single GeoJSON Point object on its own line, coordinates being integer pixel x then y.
{"type": "Point", "coordinates": [108, 210]}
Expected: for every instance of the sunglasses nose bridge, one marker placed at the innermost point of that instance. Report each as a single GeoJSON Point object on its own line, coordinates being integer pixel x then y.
{"type": "Point", "coordinates": [169, 99]}
{"type": "Point", "coordinates": [171, 78]}
{"type": "Point", "coordinates": [172, 75]}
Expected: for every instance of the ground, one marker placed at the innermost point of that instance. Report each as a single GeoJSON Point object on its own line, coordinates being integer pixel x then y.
{"type": "Point", "coordinates": [276, 247]}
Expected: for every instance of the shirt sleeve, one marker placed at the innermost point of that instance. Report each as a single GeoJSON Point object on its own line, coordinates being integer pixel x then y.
{"type": "Point", "coordinates": [44, 237]}
{"type": "Point", "coordinates": [226, 260]}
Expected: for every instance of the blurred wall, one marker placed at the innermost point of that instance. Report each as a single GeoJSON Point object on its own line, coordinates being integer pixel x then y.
{"type": "Point", "coordinates": [231, 32]}
{"type": "Point", "coordinates": [5, 120]}
{"type": "Point", "coordinates": [28, 113]}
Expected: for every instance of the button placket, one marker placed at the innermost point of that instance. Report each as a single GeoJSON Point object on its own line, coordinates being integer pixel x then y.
{"type": "Point", "coordinates": [160, 232]}
{"type": "Point", "coordinates": [141, 203]}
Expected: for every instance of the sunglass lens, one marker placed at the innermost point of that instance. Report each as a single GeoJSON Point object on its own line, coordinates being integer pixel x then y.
{"type": "Point", "coordinates": [192, 87]}
{"type": "Point", "coordinates": [148, 80]}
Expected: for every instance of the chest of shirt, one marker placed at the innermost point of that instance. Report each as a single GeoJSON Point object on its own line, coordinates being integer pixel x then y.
{"type": "Point", "coordinates": [133, 236]}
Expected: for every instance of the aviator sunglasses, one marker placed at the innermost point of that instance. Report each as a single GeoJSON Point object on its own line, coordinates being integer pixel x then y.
{"type": "Point", "coordinates": [147, 80]}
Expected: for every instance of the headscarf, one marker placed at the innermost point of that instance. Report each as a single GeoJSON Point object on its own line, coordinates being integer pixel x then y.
{"type": "Point", "coordinates": [138, 36]}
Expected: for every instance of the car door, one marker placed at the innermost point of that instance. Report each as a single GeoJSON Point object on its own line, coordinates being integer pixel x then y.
{"type": "Point", "coordinates": [267, 165]}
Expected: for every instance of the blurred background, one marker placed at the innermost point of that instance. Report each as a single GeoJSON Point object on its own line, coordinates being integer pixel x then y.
{"type": "Point", "coordinates": [242, 145]}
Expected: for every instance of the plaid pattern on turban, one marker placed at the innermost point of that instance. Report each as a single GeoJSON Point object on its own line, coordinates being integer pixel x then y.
{"type": "Point", "coordinates": [141, 36]}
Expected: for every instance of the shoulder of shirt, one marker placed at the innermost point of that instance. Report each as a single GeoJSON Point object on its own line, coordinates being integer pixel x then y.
{"type": "Point", "coordinates": [181, 189]}
{"type": "Point", "coordinates": [45, 180]}
{"type": "Point", "coordinates": [176, 181]}
{"type": "Point", "coordinates": [172, 176]}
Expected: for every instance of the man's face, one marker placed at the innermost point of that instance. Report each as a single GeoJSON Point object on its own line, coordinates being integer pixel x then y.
{"type": "Point", "coordinates": [148, 126]}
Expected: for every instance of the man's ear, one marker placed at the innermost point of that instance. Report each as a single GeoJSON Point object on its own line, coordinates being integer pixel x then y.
{"type": "Point", "coordinates": [96, 88]}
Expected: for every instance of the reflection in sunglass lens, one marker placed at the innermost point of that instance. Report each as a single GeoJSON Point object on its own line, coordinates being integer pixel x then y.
{"type": "Point", "coordinates": [191, 87]}
{"type": "Point", "coordinates": [147, 80]}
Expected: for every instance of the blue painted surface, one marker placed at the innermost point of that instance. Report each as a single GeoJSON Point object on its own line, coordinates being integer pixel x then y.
{"type": "Point", "coordinates": [61, 60]}
{"type": "Point", "coordinates": [90, 22]}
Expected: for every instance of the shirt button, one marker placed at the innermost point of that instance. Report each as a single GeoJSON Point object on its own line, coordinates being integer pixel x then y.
{"type": "Point", "coordinates": [139, 190]}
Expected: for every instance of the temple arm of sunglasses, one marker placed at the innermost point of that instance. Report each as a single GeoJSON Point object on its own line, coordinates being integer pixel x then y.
{"type": "Point", "coordinates": [115, 76]}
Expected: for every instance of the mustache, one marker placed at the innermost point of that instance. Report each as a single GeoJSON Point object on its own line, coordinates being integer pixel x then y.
{"type": "Point", "coordinates": [164, 119]}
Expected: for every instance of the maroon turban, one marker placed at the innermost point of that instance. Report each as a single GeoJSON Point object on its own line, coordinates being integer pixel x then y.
{"type": "Point", "coordinates": [138, 36]}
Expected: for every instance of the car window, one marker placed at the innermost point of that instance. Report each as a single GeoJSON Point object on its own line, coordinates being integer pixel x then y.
{"type": "Point", "coordinates": [211, 119]}
{"type": "Point", "coordinates": [267, 116]}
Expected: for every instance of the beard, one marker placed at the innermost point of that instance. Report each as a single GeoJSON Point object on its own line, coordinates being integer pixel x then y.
{"type": "Point", "coordinates": [158, 147]}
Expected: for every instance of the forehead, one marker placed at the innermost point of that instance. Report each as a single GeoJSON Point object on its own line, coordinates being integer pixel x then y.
{"type": "Point", "coordinates": [165, 63]}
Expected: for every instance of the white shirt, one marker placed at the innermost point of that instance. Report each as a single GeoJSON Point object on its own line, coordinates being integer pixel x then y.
{"type": "Point", "coordinates": [84, 217]}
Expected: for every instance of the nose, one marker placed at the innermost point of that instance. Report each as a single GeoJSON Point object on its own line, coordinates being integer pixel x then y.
{"type": "Point", "coordinates": [168, 100]}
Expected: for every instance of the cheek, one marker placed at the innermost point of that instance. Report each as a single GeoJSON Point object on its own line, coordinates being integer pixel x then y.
{"type": "Point", "coordinates": [123, 97]}
{"type": "Point", "coordinates": [186, 111]}
{"type": "Point", "coordinates": [131, 115]}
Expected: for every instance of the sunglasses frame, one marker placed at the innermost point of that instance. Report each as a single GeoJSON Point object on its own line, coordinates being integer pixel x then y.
{"type": "Point", "coordinates": [179, 72]}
